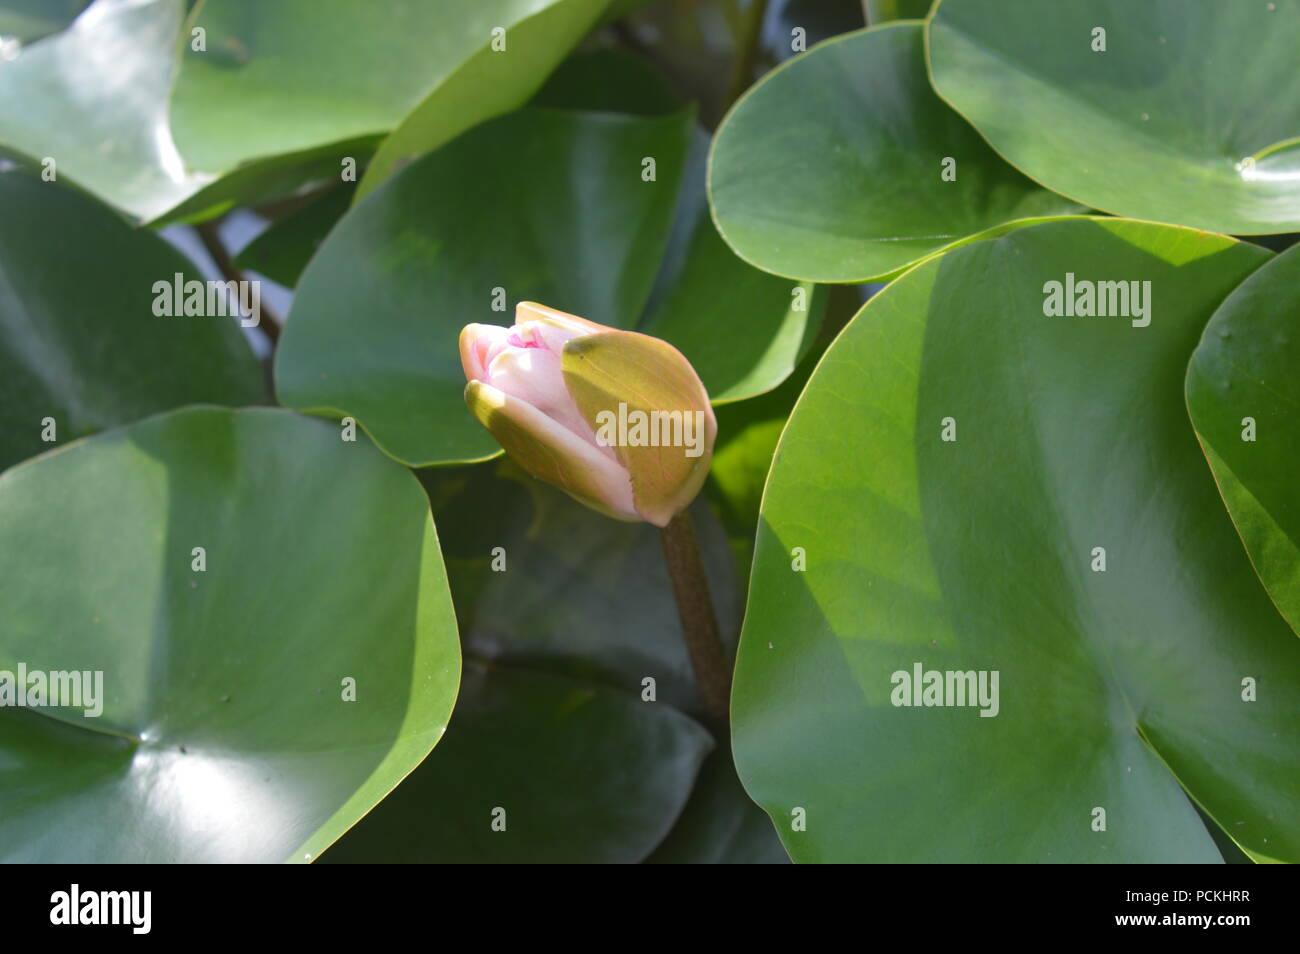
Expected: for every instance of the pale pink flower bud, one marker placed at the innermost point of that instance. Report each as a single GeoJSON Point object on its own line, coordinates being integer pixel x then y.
{"type": "Point", "coordinates": [616, 419]}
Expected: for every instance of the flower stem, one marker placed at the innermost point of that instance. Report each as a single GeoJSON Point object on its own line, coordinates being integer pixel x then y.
{"type": "Point", "coordinates": [695, 609]}
{"type": "Point", "coordinates": [270, 323]}
{"type": "Point", "coordinates": [747, 40]}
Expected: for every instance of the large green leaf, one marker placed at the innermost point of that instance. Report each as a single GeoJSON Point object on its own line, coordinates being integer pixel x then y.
{"type": "Point", "coordinates": [548, 206]}
{"type": "Point", "coordinates": [831, 168]}
{"type": "Point", "coordinates": [486, 82]}
{"type": "Point", "coordinates": [1243, 391]}
{"type": "Point", "coordinates": [225, 733]}
{"type": "Point", "coordinates": [79, 341]}
{"type": "Point", "coordinates": [978, 554]}
{"type": "Point", "coordinates": [1190, 115]}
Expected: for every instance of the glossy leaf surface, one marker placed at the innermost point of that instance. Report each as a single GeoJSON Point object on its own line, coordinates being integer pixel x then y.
{"type": "Point", "coordinates": [1183, 111]}
{"type": "Point", "coordinates": [232, 575]}
{"type": "Point", "coordinates": [978, 486]}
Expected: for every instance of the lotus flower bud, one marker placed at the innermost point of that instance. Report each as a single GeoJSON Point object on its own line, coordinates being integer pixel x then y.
{"type": "Point", "coordinates": [616, 419]}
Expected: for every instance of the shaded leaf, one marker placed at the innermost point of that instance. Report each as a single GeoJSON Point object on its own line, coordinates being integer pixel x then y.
{"type": "Point", "coordinates": [570, 592]}
{"type": "Point", "coordinates": [79, 340]}
{"type": "Point", "coordinates": [607, 80]}
{"type": "Point", "coordinates": [720, 825]}
{"type": "Point", "coordinates": [575, 773]}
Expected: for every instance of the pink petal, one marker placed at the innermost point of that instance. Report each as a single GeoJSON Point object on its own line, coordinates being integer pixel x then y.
{"type": "Point", "coordinates": [479, 344]}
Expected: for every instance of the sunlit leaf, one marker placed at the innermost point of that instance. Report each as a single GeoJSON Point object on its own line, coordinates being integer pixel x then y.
{"type": "Point", "coordinates": [976, 486]}
{"type": "Point", "coordinates": [233, 575]}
